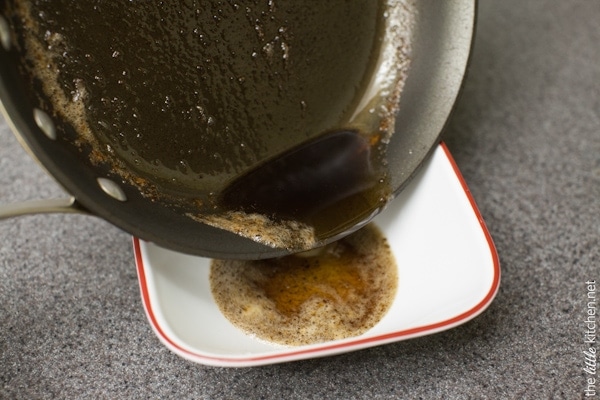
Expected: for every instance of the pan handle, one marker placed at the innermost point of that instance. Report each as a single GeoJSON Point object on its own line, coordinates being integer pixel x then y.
{"type": "Point", "coordinates": [66, 205]}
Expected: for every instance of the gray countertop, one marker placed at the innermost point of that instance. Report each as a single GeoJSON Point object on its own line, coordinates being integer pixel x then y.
{"type": "Point", "coordinates": [526, 136]}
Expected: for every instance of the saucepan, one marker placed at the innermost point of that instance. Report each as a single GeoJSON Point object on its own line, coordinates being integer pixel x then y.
{"type": "Point", "coordinates": [230, 190]}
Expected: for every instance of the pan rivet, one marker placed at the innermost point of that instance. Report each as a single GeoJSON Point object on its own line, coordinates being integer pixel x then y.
{"type": "Point", "coordinates": [112, 189]}
{"type": "Point", "coordinates": [4, 34]}
{"type": "Point", "coordinates": [44, 122]}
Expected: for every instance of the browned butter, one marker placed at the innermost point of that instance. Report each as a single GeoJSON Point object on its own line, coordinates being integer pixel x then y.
{"type": "Point", "coordinates": [192, 102]}
{"type": "Point", "coordinates": [296, 300]}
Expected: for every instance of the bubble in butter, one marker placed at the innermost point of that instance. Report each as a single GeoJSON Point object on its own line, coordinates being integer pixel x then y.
{"type": "Point", "coordinates": [298, 300]}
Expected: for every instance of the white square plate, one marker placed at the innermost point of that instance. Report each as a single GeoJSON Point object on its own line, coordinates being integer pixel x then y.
{"type": "Point", "coordinates": [448, 273]}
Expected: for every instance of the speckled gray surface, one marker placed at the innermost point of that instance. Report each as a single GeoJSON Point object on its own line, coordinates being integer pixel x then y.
{"type": "Point", "coordinates": [526, 135]}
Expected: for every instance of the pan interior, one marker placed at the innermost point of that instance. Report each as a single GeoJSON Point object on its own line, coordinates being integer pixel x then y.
{"type": "Point", "coordinates": [183, 100]}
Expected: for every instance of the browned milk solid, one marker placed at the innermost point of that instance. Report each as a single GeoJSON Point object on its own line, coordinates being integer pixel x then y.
{"type": "Point", "coordinates": [294, 300]}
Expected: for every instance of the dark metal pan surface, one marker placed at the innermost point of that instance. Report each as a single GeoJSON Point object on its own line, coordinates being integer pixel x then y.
{"type": "Point", "coordinates": [147, 174]}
